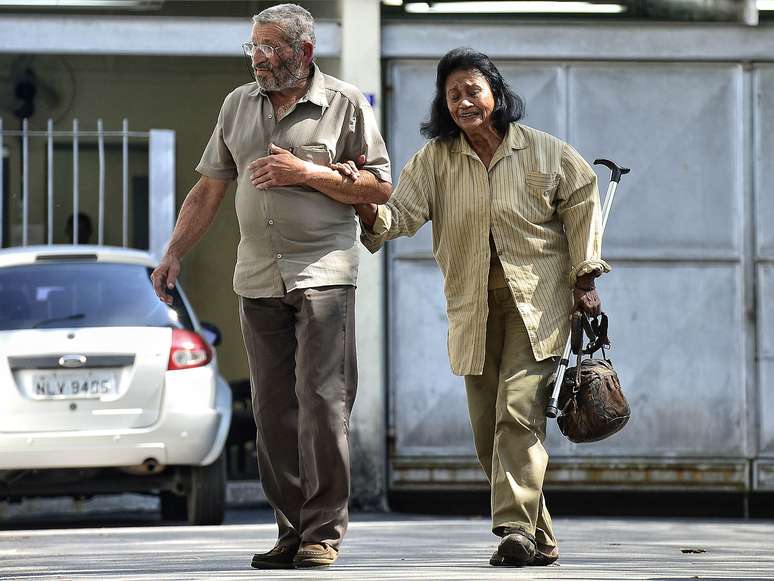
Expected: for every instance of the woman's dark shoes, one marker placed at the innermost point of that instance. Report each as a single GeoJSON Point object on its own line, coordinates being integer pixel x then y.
{"type": "Point", "coordinates": [517, 549]}
{"type": "Point", "coordinates": [544, 555]}
{"type": "Point", "coordinates": [314, 555]}
{"type": "Point", "coordinates": [280, 557]}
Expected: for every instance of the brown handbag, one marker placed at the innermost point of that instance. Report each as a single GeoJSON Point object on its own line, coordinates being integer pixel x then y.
{"type": "Point", "coordinates": [592, 404]}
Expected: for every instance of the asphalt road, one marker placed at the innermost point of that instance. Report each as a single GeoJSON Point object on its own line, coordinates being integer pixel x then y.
{"type": "Point", "coordinates": [390, 546]}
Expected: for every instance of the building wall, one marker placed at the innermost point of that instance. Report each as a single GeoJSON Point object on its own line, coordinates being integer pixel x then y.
{"type": "Point", "coordinates": [182, 94]}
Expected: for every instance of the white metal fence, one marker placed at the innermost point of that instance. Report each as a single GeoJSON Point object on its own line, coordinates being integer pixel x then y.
{"type": "Point", "coordinates": [160, 146]}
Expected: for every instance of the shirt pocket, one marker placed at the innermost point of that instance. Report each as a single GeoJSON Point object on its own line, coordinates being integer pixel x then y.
{"type": "Point", "coordinates": [317, 153]}
{"type": "Point", "coordinates": [538, 201]}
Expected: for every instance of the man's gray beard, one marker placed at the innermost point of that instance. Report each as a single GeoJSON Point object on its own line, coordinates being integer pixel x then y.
{"type": "Point", "coordinates": [283, 77]}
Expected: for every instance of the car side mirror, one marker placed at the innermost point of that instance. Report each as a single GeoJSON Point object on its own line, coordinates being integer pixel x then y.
{"type": "Point", "coordinates": [211, 333]}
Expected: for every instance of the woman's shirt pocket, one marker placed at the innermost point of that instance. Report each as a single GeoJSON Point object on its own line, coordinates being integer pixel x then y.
{"type": "Point", "coordinates": [537, 202]}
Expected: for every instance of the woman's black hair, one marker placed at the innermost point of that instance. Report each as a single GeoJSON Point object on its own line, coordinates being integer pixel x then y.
{"type": "Point", "coordinates": [508, 105]}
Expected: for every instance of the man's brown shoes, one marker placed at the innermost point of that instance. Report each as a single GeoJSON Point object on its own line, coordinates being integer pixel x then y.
{"type": "Point", "coordinates": [315, 555]}
{"type": "Point", "coordinates": [289, 557]}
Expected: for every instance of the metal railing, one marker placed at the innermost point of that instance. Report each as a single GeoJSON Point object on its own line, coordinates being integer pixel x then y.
{"type": "Point", "coordinates": [161, 203]}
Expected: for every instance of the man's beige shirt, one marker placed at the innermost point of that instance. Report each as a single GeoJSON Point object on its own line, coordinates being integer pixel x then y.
{"type": "Point", "coordinates": [294, 237]}
{"type": "Point", "coordinates": [539, 200]}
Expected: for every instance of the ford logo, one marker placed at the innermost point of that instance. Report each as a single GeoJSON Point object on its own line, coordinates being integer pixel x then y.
{"type": "Point", "coordinates": [72, 360]}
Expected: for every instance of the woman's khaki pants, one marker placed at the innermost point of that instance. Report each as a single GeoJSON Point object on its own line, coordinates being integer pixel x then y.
{"type": "Point", "coordinates": [507, 404]}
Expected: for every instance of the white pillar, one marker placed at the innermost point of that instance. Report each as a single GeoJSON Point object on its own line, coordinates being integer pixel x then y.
{"type": "Point", "coordinates": [750, 13]}
{"type": "Point", "coordinates": [361, 66]}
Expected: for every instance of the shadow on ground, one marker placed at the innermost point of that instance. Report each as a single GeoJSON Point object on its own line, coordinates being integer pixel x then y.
{"type": "Point", "coordinates": [121, 519]}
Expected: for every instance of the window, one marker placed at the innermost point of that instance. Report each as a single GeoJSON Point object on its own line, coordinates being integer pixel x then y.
{"type": "Point", "coordinates": [84, 294]}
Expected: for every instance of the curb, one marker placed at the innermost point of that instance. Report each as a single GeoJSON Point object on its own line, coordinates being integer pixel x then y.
{"type": "Point", "coordinates": [239, 494]}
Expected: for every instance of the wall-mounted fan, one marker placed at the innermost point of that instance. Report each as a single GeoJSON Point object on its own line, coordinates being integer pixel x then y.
{"type": "Point", "coordinates": [37, 87]}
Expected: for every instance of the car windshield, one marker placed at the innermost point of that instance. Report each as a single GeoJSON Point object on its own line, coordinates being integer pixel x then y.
{"type": "Point", "coordinates": [84, 294]}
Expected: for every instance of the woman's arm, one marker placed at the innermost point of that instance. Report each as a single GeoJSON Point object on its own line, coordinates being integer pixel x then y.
{"type": "Point", "coordinates": [367, 214]}
{"type": "Point", "coordinates": [406, 212]}
{"type": "Point", "coordinates": [408, 208]}
{"type": "Point", "coordinates": [579, 211]}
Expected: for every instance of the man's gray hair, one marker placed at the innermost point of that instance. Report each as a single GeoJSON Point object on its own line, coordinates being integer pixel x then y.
{"type": "Point", "coordinates": [294, 20]}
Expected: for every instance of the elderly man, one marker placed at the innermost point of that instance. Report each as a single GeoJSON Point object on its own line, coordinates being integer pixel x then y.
{"type": "Point", "coordinates": [296, 269]}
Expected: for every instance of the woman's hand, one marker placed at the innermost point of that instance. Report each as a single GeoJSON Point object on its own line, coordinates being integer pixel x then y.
{"type": "Point", "coordinates": [585, 297]}
{"type": "Point", "coordinates": [587, 301]}
{"type": "Point", "coordinates": [349, 169]}
{"type": "Point", "coordinates": [367, 213]}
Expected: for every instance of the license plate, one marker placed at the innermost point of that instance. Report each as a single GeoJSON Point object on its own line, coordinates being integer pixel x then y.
{"type": "Point", "coordinates": [75, 384]}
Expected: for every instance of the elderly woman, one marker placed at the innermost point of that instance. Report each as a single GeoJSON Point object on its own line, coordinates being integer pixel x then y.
{"type": "Point", "coordinates": [516, 232]}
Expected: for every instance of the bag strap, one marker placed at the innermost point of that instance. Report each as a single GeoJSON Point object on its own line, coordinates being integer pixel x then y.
{"type": "Point", "coordinates": [595, 329]}
{"type": "Point", "coordinates": [600, 326]}
{"type": "Point", "coordinates": [576, 331]}
{"type": "Point", "coordinates": [578, 324]}
{"type": "Point", "coordinates": [599, 340]}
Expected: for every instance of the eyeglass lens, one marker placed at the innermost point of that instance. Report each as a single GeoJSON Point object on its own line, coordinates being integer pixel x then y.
{"type": "Point", "coordinates": [251, 48]}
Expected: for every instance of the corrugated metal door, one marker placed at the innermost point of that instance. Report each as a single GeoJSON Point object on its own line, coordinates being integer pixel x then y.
{"type": "Point", "coordinates": [676, 299]}
{"type": "Point", "coordinates": [764, 147]}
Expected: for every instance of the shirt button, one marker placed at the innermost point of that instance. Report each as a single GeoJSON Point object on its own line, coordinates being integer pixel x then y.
{"type": "Point", "coordinates": [271, 222]}
{"type": "Point", "coordinates": [279, 256]}
{"type": "Point", "coordinates": [270, 115]}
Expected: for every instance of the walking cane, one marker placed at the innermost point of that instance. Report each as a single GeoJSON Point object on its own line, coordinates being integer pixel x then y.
{"type": "Point", "coordinates": [552, 409]}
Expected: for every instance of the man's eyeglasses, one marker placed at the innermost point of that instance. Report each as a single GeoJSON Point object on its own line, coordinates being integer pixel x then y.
{"type": "Point", "coordinates": [265, 49]}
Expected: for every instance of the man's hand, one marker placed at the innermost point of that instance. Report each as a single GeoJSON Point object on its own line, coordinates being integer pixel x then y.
{"type": "Point", "coordinates": [165, 275]}
{"type": "Point", "coordinates": [585, 297]}
{"type": "Point", "coordinates": [280, 168]}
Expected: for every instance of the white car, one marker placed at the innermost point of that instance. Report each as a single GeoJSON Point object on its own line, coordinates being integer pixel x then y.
{"type": "Point", "coordinates": [104, 388]}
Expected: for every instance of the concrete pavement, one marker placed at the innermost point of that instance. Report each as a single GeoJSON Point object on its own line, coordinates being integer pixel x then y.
{"type": "Point", "coordinates": [390, 546]}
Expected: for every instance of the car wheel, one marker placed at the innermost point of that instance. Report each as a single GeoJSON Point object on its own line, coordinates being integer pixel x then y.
{"type": "Point", "coordinates": [173, 506]}
{"type": "Point", "coordinates": [207, 495]}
